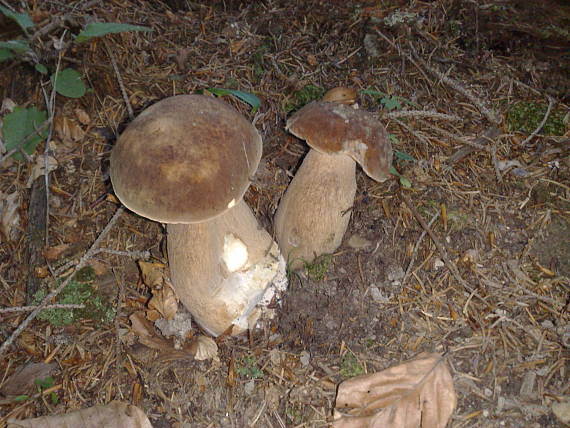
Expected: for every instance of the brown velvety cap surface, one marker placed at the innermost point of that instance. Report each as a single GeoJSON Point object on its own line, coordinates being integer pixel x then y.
{"type": "Point", "coordinates": [184, 159]}
{"type": "Point", "coordinates": [334, 128]}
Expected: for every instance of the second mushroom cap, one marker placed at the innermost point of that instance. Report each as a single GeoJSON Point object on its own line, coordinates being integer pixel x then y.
{"type": "Point", "coordinates": [334, 128]}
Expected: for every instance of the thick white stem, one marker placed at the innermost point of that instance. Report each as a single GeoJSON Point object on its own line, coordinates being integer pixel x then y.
{"type": "Point", "coordinates": [225, 270]}
{"type": "Point", "coordinates": [313, 214]}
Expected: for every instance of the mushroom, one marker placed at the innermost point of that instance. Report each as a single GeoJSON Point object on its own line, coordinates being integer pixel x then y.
{"type": "Point", "coordinates": [314, 212]}
{"type": "Point", "coordinates": [187, 161]}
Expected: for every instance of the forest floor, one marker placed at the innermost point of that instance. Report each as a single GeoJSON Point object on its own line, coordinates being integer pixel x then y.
{"type": "Point", "coordinates": [495, 301]}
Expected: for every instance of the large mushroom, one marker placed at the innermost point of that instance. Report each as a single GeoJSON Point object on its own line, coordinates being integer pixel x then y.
{"type": "Point", "coordinates": [314, 212]}
{"type": "Point", "coordinates": [187, 161]}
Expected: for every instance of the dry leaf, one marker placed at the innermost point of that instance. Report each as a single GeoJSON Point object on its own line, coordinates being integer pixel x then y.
{"type": "Point", "coordinates": [22, 380]}
{"type": "Point", "coordinates": [152, 273]}
{"type": "Point", "coordinates": [82, 116]}
{"type": "Point", "coordinates": [204, 348]}
{"type": "Point", "coordinates": [9, 215]}
{"type": "Point", "coordinates": [148, 337]}
{"type": "Point", "coordinates": [113, 415]}
{"type": "Point", "coordinates": [55, 252]}
{"type": "Point", "coordinates": [40, 169]}
{"type": "Point", "coordinates": [164, 301]}
{"type": "Point", "coordinates": [67, 130]}
{"type": "Point", "coordinates": [416, 394]}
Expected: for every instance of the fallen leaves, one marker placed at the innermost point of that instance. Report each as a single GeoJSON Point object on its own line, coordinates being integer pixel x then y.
{"type": "Point", "coordinates": [200, 347]}
{"type": "Point", "coordinates": [113, 415]}
{"type": "Point", "coordinates": [9, 215]}
{"type": "Point", "coordinates": [22, 381]}
{"type": "Point", "coordinates": [416, 394]}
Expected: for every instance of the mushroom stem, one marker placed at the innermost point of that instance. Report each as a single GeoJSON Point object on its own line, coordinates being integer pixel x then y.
{"type": "Point", "coordinates": [224, 268]}
{"type": "Point", "coordinates": [313, 214]}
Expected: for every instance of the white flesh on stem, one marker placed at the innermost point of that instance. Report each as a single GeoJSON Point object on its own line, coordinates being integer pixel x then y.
{"type": "Point", "coordinates": [225, 270]}
{"type": "Point", "coordinates": [313, 214]}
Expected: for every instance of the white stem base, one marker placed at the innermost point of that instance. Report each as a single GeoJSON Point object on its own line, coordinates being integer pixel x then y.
{"type": "Point", "coordinates": [225, 271]}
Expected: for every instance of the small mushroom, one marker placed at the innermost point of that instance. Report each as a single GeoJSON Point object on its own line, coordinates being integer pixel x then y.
{"type": "Point", "coordinates": [187, 161]}
{"type": "Point", "coordinates": [314, 212]}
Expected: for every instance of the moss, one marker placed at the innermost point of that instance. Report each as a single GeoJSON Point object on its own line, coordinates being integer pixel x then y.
{"type": "Point", "coordinates": [317, 269]}
{"type": "Point", "coordinates": [80, 290]}
{"type": "Point", "coordinates": [258, 60]}
{"type": "Point", "coordinates": [303, 96]}
{"type": "Point", "coordinates": [349, 366]}
{"type": "Point", "coordinates": [526, 116]}
{"type": "Point", "coordinates": [247, 367]}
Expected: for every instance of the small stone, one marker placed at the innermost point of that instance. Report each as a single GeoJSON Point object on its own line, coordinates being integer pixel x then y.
{"type": "Point", "coordinates": [528, 383]}
{"type": "Point", "coordinates": [395, 273]}
{"type": "Point", "coordinates": [249, 387]}
{"type": "Point", "coordinates": [438, 264]}
{"type": "Point", "coordinates": [305, 358]}
{"type": "Point", "coordinates": [358, 242]}
{"type": "Point", "coordinates": [562, 410]}
{"type": "Point", "coordinates": [377, 295]}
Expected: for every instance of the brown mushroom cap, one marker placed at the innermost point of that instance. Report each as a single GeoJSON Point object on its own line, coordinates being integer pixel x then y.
{"type": "Point", "coordinates": [185, 159]}
{"type": "Point", "coordinates": [334, 128]}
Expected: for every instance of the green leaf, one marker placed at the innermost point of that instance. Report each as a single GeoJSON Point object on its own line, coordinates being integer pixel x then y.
{"type": "Point", "coordinates": [5, 54]}
{"type": "Point", "coordinates": [54, 398]}
{"type": "Point", "coordinates": [46, 383]}
{"type": "Point", "coordinates": [391, 103]}
{"type": "Point", "coordinates": [21, 398]}
{"type": "Point", "coordinates": [404, 156]}
{"type": "Point", "coordinates": [24, 124]}
{"type": "Point", "coordinates": [378, 94]}
{"type": "Point", "coordinates": [17, 46]}
{"type": "Point", "coordinates": [246, 97]}
{"type": "Point", "coordinates": [40, 68]}
{"type": "Point", "coordinates": [69, 83]}
{"type": "Point", "coordinates": [22, 19]}
{"type": "Point", "coordinates": [404, 181]}
{"type": "Point", "coordinates": [98, 29]}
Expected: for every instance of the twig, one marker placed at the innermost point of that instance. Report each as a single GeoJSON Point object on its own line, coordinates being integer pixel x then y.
{"type": "Point", "coordinates": [488, 136]}
{"type": "Point", "coordinates": [131, 254]}
{"type": "Point", "coordinates": [33, 307]}
{"type": "Point", "coordinates": [51, 109]}
{"type": "Point", "coordinates": [412, 131]}
{"type": "Point", "coordinates": [120, 81]}
{"type": "Point", "coordinates": [551, 103]}
{"type": "Point", "coordinates": [118, 314]}
{"type": "Point", "coordinates": [145, 255]}
{"type": "Point", "coordinates": [496, 163]}
{"type": "Point", "coordinates": [442, 251]}
{"type": "Point", "coordinates": [416, 247]}
{"type": "Point", "coordinates": [490, 115]}
{"type": "Point", "coordinates": [422, 113]}
{"type": "Point", "coordinates": [58, 290]}
{"type": "Point", "coordinates": [456, 137]}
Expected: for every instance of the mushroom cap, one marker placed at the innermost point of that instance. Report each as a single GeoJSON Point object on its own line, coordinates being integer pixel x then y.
{"type": "Point", "coordinates": [185, 159]}
{"type": "Point", "coordinates": [334, 128]}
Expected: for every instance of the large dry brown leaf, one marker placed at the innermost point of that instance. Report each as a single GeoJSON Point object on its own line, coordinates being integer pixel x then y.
{"type": "Point", "coordinates": [416, 394]}
{"type": "Point", "coordinates": [113, 415]}
{"type": "Point", "coordinates": [22, 380]}
{"type": "Point", "coordinates": [164, 301]}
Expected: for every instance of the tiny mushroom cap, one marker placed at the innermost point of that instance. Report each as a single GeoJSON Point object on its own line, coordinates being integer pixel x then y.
{"type": "Point", "coordinates": [334, 128]}
{"type": "Point", "coordinates": [185, 159]}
